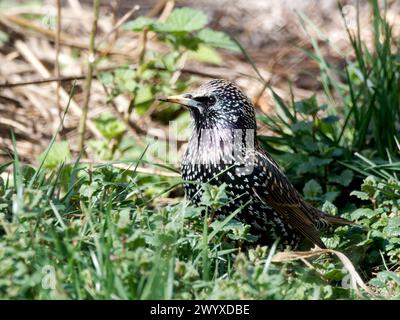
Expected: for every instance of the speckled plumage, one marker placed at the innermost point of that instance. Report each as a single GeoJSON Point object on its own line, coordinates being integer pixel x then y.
{"type": "Point", "coordinates": [223, 149]}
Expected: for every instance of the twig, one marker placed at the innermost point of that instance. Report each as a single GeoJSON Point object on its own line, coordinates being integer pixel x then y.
{"type": "Point", "coordinates": [27, 24]}
{"type": "Point", "coordinates": [114, 4]}
{"type": "Point", "coordinates": [14, 124]}
{"type": "Point", "coordinates": [88, 82]}
{"type": "Point", "coordinates": [51, 35]}
{"type": "Point", "coordinates": [11, 100]}
{"type": "Point", "coordinates": [156, 8]}
{"type": "Point", "coordinates": [356, 280]}
{"type": "Point", "coordinates": [83, 76]}
{"type": "Point", "coordinates": [42, 81]}
{"type": "Point", "coordinates": [169, 6]}
{"type": "Point", "coordinates": [118, 24]}
{"type": "Point", "coordinates": [76, 6]}
{"type": "Point", "coordinates": [57, 64]}
{"type": "Point", "coordinates": [180, 64]}
{"type": "Point", "coordinates": [143, 42]}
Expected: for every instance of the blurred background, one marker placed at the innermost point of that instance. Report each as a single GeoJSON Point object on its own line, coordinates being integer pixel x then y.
{"type": "Point", "coordinates": [35, 45]}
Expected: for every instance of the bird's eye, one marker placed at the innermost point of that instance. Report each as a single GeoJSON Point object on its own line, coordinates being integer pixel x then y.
{"type": "Point", "coordinates": [211, 101]}
{"type": "Point", "coordinates": [206, 100]}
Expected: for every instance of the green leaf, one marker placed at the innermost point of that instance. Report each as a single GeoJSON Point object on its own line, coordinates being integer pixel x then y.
{"type": "Point", "coordinates": [393, 227]}
{"type": "Point", "coordinates": [312, 190]}
{"type": "Point", "coordinates": [343, 179]}
{"type": "Point", "coordinates": [218, 39]}
{"type": "Point", "coordinates": [106, 77]}
{"type": "Point", "coordinates": [206, 54]}
{"type": "Point", "coordinates": [170, 60]}
{"type": "Point", "coordinates": [184, 20]}
{"type": "Point", "coordinates": [307, 106]}
{"type": "Point", "coordinates": [312, 163]}
{"type": "Point", "coordinates": [329, 208]}
{"type": "Point", "coordinates": [302, 126]}
{"type": "Point", "coordinates": [139, 24]}
{"type": "Point", "coordinates": [309, 143]}
{"type": "Point", "coordinates": [136, 240]}
{"type": "Point", "coordinates": [330, 119]}
{"type": "Point", "coordinates": [334, 274]}
{"type": "Point", "coordinates": [58, 154]}
{"type": "Point", "coordinates": [143, 98]}
{"type": "Point", "coordinates": [331, 196]}
{"type": "Point", "coordinates": [360, 195]}
{"type": "Point", "coordinates": [109, 126]}
{"type": "Point", "coordinates": [214, 196]}
{"type": "Point", "coordinates": [144, 94]}
{"type": "Point", "coordinates": [361, 213]}
{"type": "Point", "coordinates": [383, 277]}
{"type": "Point", "coordinates": [238, 230]}
{"type": "Point", "coordinates": [125, 79]}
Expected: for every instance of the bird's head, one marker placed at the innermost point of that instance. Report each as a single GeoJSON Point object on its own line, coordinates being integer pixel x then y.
{"type": "Point", "coordinates": [218, 104]}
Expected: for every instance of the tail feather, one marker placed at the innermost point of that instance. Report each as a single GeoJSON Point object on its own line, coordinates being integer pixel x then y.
{"type": "Point", "coordinates": [334, 220]}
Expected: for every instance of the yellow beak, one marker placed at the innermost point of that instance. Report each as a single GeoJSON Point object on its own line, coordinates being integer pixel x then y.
{"type": "Point", "coordinates": [181, 99]}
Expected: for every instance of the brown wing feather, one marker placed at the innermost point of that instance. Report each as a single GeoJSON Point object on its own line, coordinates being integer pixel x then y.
{"type": "Point", "coordinates": [280, 194]}
{"type": "Point", "coordinates": [297, 219]}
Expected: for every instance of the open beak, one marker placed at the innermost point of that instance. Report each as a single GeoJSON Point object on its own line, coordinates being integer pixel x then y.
{"type": "Point", "coordinates": [181, 99]}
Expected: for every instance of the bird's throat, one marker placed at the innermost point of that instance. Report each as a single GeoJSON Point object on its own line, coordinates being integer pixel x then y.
{"type": "Point", "coordinates": [218, 146]}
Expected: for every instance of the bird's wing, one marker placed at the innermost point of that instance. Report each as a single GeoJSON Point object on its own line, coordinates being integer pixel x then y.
{"type": "Point", "coordinates": [279, 193]}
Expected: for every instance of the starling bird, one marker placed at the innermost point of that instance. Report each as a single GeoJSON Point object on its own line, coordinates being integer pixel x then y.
{"type": "Point", "coordinates": [223, 149]}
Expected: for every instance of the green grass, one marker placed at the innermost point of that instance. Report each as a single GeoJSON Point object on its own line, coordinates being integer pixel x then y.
{"type": "Point", "coordinates": [84, 233]}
